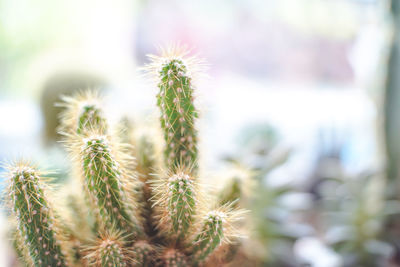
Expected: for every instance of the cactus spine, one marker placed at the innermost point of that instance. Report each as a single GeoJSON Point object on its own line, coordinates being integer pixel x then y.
{"type": "Point", "coordinates": [35, 219]}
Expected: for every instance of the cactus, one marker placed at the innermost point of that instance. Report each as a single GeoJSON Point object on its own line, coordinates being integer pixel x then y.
{"type": "Point", "coordinates": [148, 212]}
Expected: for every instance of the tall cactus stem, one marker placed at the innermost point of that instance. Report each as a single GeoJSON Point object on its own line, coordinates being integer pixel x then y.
{"type": "Point", "coordinates": [175, 100]}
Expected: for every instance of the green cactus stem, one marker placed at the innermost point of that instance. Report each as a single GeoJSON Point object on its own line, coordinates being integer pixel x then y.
{"type": "Point", "coordinates": [210, 237]}
{"type": "Point", "coordinates": [175, 100]}
{"type": "Point", "coordinates": [176, 199]}
{"type": "Point", "coordinates": [218, 228]}
{"type": "Point", "coordinates": [104, 183]}
{"type": "Point", "coordinates": [35, 219]}
{"type": "Point", "coordinates": [181, 202]}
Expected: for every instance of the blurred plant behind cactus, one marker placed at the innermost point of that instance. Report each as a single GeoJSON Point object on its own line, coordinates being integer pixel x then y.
{"type": "Point", "coordinates": [354, 211]}
{"type": "Point", "coordinates": [261, 151]}
{"type": "Point", "coordinates": [391, 107]}
{"type": "Point", "coordinates": [132, 207]}
{"type": "Point", "coordinates": [350, 210]}
{"type": "Point", "coordinates": [65, 83]}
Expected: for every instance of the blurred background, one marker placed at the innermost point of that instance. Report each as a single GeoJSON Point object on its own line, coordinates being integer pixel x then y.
{"type": "Point", "coordinates": [301, 105]}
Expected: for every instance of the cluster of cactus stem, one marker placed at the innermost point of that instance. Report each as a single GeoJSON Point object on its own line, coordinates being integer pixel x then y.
{"type": "Point", "coordinates": [138, 208]}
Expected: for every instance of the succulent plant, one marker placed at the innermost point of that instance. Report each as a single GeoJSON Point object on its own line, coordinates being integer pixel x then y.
{"type": "Point", "coordinates": [146, 210]}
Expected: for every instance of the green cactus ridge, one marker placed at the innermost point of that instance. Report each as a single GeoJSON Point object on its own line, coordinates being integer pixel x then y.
{"type": "Point", "coordinates": [103, 183]}
{"type": "Point", "coordinates": [175, 101]}
{"type": "Point", "coordinates": [211, 235]}
{"type": "Point", "coordinates": [34, 218]}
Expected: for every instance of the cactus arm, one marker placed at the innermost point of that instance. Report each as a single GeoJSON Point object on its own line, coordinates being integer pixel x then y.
{"type": "Point", "coordinates": [103, 181]}
{"type": "Point", "coordinates": [175, 100]}
{"type": "Point", "coordinates": [218, 228]}
{"type": "Point", "coordinates": [82, 113]}
{"type": "Point", "coordinates": [176, 203]}
{"type": "Point", "coordinates": [174, 73]}
{"type": "Point", "coordinates": [181, 203]}
{"type": "Point", "coordinates": [36, 223]}
{"type": "Point", "coordinates": [90, 118]}
{"type": "Point", "coordinates": [210, 237]}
